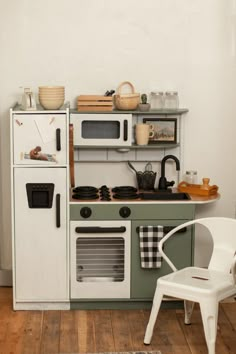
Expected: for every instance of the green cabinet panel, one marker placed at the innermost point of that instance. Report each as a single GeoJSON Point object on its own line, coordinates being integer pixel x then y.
{"type": "Point", "coordinates": [139, 211]}
{"type": "Point", "coordinates": [179, 249]}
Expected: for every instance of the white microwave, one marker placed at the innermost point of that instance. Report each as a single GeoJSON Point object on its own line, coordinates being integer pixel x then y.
{"type": "Point", "coordinates": [102, 129]}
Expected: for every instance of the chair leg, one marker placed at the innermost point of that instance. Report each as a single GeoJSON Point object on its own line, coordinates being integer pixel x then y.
{"type": "Point", "coordinates": [152, 319]}
{"type": "Point", "coordinates": [188, 310]}
{"type": "Point", "coordinates": [209, 311]}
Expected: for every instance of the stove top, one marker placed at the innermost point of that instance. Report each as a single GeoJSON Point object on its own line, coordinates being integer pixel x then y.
{"type": "Point", "coordinates": [124, 193]}
{"type": "Point", "coordinates": [104, 193]}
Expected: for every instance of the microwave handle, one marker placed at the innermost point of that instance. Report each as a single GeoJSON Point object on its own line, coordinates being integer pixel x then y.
{"type": "Point", "coordinates": [58, 139]}
{"type": "Point", "coordinates": [58, 210]}
{"type": "Point", "coordinates": [99, 230]}
{"type": "Point", "coordinates": [125, 130]}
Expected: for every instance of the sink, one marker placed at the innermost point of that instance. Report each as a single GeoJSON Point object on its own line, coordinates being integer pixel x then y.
{"type": "Point", "coordinates": [165, 196]}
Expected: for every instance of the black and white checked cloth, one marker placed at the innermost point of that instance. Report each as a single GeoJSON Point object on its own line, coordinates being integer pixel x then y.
{"type": "Point", "coordinates": [150, 236]}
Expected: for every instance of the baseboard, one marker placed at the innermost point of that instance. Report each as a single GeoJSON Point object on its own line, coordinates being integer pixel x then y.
{"type": "Point", "coordinates": [41, 306]}
{"type": "Point", "coordinates": [5, 277]}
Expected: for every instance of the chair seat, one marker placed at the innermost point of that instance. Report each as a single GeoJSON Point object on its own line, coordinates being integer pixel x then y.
{"type": "Point", "coordinates": [194, 280]}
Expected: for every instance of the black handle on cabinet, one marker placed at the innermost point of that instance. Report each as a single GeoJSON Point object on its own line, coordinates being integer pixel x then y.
{"type": "Point", "coordinates": [58, 139]}
{"type": "Point", "coordinates": [58, 210]}
{"type": "Point", "coordinates": [167, 229]}
{"type": "Point", "coordinates": [125, 130]}
{"type": "Point", "coordinates": [99, 230]}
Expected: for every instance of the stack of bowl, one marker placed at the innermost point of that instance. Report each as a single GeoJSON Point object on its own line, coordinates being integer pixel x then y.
{"type": "Point", "coordinates": [51, 97]}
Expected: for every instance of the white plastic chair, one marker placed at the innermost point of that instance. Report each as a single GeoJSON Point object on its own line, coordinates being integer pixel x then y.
{"type": "Point", "coordinates": [206, 286]}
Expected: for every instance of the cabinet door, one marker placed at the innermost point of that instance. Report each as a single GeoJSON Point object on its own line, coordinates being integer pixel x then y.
{"type": "Point", "coordinates": [40, 240]}
{"type": "Point", "coordinates": [44, 132]}
{"type": "Point", "coordinates": [179, 248]}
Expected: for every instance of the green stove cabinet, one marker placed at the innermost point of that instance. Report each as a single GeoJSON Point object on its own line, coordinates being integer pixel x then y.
{"type": "Point", "coordinates": [180, 248]}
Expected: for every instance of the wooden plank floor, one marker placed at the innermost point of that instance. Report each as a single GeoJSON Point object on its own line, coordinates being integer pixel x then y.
{"type": "Point", "coordinates": [79, 331]}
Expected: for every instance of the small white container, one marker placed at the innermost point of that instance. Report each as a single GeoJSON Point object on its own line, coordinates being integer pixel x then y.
{"type": "Point", "coordinates": [157, 99]}
{"type": "Point", "coordinates": [171, 100]}
{"type": "Point", "coordinates": [190, 177]}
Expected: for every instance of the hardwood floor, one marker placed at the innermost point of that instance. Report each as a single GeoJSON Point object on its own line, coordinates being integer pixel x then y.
{"type": "Point", "coordinates": [53, 332]}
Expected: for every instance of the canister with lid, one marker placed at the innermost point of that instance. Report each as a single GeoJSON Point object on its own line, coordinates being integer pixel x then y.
{"type": "Point", "coordinates": [191, 177]}
{"type": "Point", "coordinates": [171, 100]}
{"type": "Point", "coordinates": [157, 99]}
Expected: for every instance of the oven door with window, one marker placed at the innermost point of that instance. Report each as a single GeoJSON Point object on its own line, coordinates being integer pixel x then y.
{"type": "Point", "coordinates": [100, 259]}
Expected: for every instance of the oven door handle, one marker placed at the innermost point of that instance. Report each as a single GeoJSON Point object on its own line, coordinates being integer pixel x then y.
{"type": "Point", "coordinates": [99, 230]}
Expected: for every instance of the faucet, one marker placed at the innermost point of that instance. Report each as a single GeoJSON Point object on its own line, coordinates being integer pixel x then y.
{"type": "Point", "coordinates": [163, 183]}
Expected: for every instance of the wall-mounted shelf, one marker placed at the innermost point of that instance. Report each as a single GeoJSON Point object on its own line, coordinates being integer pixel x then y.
{"type": "Point", "coordinates": [127, 148]}
{"type": "Point", "coordinates": [137, 112]}
{"type": "Point", "coordinates": [151, 152]}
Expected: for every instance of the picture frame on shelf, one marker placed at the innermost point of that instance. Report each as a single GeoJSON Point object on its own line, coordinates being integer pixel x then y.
{"type": "Point", "coordinates": [162, 131]}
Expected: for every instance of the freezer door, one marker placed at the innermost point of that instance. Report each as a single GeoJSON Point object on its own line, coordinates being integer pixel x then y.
{"type": "Point", "coordinates": [39, 139]}
{"type": "Point", "coordinates": [40, 234]}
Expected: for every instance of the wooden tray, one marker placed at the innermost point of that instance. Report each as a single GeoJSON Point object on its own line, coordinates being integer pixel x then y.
{"type": "Point", "coordinates": [93, 103]}
{"type": "Point", "coordinates": [197, 189]}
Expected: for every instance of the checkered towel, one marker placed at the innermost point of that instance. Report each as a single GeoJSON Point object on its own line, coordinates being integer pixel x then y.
{"type": "Point", "coordinates": [150, 236]}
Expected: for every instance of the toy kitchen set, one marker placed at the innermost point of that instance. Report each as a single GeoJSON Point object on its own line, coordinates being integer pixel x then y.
{"type": "Point", "coordinates": [77, 245]}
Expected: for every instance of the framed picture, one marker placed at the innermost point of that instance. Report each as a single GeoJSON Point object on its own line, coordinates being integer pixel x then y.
{"type": "Point", "coordinates": [162, 130]}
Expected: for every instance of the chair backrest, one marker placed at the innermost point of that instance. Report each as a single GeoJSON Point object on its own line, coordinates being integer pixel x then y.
{"type": "Point", "coordinates": [223, 233]}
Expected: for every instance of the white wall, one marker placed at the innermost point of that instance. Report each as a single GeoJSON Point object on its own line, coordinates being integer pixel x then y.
{"type": "Point", "coordinates": [91, 46]}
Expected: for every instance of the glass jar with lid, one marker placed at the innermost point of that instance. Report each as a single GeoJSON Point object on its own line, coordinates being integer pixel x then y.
{"type": "Point", "coordinates": [157, 99]}
{"type": "Point", "coordinates": [171, 100]}
{"type": "Point", "coordinates": [190, 177]}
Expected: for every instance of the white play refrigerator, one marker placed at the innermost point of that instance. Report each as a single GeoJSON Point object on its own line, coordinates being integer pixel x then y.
{"type": "Point", "coordinates": [39, 172]}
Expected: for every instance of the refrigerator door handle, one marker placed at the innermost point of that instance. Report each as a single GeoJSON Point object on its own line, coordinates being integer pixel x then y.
{"type": "Point", "coordinates": [58, 210]}
{"type": "Point", "coordinates": [58, 139]}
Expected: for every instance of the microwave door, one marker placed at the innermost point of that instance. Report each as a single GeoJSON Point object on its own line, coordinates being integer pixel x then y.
{"type": "Point", "coordinates": [102, 130]}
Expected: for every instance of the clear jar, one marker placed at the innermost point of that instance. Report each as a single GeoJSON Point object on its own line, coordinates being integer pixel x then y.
{"type": "Point", "coordinates": [191, 177]}
{"type": "Point", "coordinates": [171, 100]}
{"type": "Point", "coordinates": [157, 99]}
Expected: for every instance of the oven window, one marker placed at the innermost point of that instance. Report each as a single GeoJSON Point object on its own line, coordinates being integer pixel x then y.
{"type": "Point", "coordinates": [100, 259]}
{"type": "Point", "coordinates": [102, 129]}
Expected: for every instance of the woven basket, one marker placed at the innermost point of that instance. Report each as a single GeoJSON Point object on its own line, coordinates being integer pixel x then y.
{"type": "Point", "coordinates": [126, 101]}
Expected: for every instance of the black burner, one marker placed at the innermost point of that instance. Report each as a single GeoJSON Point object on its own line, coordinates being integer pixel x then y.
{"type": "Point", "coordinates": [85, 189]}
{"type": "Point", "coordinates": [105, 193]}
{"type": "Point", "coordinates": [125, 196]}
{"type": "Point", "coordinates": [124, 189]}
{"type": "Point", "coordinates": [125, 192]}
{"type": "Point", "coordinates": [85, 196]}
{"type": "Point", "coordinates": [85, 193]}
